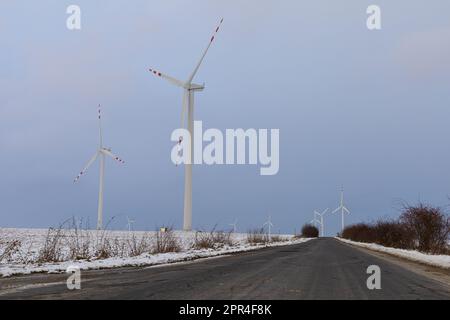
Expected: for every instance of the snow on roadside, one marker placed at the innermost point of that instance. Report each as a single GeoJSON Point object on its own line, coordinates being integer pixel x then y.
{"type": "Point", "coordinates": [441, 261]}
{"type": "Point", "coordinates": [35, 238]}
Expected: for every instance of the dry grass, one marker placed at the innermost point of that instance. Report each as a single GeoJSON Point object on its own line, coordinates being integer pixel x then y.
{"type": "Point", "coordinates": [137, 247]}
{"type": "Point", "coordinates": [212, 240]}
{"type": "Point", "coordinates": [257, 236]}
{"type": "Point", "coordinates": [166, 242]}
{"type": "Point", "coordinates": [278, 238]}
{"type": "Point", "coordinates": [79, 241]}
{"type": "Point", "coordinates": [52, 251]}
{"type": "Point", "coordinates": [8, 249]}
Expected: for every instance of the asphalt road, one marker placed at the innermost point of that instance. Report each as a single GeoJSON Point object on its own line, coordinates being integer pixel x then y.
{"type": "Point", "coordinates": [319, 269]}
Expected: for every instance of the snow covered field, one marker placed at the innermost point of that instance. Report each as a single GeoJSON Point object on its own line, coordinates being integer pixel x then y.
{"type": "Point", "coordinates": [22, 250]}
{"type": "Point", "coordinates": [442, 261]}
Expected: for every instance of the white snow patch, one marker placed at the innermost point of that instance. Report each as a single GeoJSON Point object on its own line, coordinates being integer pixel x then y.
{"type": "Point", "coordinates": [441, 261]}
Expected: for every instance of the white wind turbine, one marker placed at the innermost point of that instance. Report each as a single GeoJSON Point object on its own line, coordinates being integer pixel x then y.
{"type": "Point", "coordinates": [101, 152]}
{"type": "Point", "coordinates": [342, 208]}
{"type": "Point", "coordinates": [130, 223]}
{"type": "Point", "coordinates": [189, 88]}
{"type": "Point", "coordinates": [234, 225]}
{"type": "Point", "coordinates": [269, 225]}
{"type": "Point", "coordinates": [314, 221]}
{"type": "Point", "coordinates": [321, 223]}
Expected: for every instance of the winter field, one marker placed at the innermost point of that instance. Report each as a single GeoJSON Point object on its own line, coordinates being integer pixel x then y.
{"type": "Point", "coordinates": [442, 261]}
{"type": "Point", "coordinates": [25, 251]}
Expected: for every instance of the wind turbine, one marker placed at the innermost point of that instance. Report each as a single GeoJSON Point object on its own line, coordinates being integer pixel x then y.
{"type": "Point", "coordinates": [342, 208]}
{"type": "Point", "coordinates": [189, 88]}
{"type": "Point", "coordinates": [234, 225]}
{"type": "Point", "coordinates": [314, 221]}
{"type": "Point", "coordinates": [129, 223]}
{"type": "Point", "coordinates": [320, 215]}
{"type": "Point", "coordinates": [101, 152]}
{"type": "Point", "coordinates": [269, 225]}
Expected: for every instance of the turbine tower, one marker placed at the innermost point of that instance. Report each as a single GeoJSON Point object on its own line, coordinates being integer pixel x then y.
{"type": "Point", "coordinates": [189, 88]}
{"type": "Point", "coordinates": [101, 152]}
{"type": "Point", "coordinates": [342, 208]}
{"type": "Point", "coordinates": [320, 221]}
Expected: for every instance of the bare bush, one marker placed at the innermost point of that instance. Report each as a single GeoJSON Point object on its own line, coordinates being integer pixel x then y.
{"type": "Point", "coordinates": [8, 249]}
{"type": "Point", "coordinates": [104, 246]}
{"type": "Point", "coordinates": [429, 226]}
{"type": "Point", "coordinates": [136, 246]}
{"type": "Point", "coordinates": [361, 232]}
{"type": "Point", "coordinates": [423, 228]}
{"type": "Point", "coordinates": [79, 241]}
{"type": "Point", "coordinates": [391, 233]}
{"type": "Point", "coordinates": [257, 236]}
{"type": "Point", "coordinates": [52, 251]}
{"type": "Point", "coordinates": [212, 240]}
{"type": "Point", "coordinates": [310, 231]}
{"type": "Point", "coordinates": [166, 242]}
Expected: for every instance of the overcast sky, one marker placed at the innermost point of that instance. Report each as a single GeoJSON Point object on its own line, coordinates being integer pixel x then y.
{"type": "Point", "coordinates": [366, 109]}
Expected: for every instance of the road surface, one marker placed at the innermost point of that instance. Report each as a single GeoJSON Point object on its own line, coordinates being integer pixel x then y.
{"type": "Point", "coordinates": [319, 269]}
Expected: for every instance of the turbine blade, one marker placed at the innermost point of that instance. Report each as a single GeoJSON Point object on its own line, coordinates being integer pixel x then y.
{"type": "Point", "coordinates": [110, 154]}
{"type": "Point", "coordinates": [100, 125]}
{"type": "Point", "coordinates": [204, 53]}
{"type": "Point", "coordinates": [346, 210]}
{"type": "Point", "coordinates": [336, 210]}
{"type": "Point", "coordinates": [172, 80]}
{"type": "Point", "coordinates": [86, 167]}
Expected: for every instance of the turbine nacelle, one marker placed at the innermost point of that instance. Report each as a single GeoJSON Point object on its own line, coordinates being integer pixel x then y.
{"type": "Point", "coordinates": [187, 85]}
{"type": "Point", "coordinates": [194, 87]}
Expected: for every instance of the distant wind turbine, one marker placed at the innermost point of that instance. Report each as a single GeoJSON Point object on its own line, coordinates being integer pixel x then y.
{"type": "Point", "coordinates": [130, 223]}
{"type": "Point", "coordinates": [189, 88]}
{"type": "Point", "coordinates": [234, 225]}
{"type": "Point", "coordinates": [101, 152]}
{"type": "Point", "coordinates": [269, 225]}
{"type": "Point", "coordinates": [321, 223]}
{"type": "Point", "coordinates": [342, 208]}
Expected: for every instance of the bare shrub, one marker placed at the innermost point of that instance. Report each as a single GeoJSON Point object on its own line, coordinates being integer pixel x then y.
{"type": "Point", "coordinates": [136, 246]}
{"type": "Point", "coordinates": [25, 255]}
{"type": "Point", "coordinates": [310, 231]}
{"type": "Point", "coordinates": [257, 236]}
{"type": "Point", "coordinates": [8, 249]}
{"type": "Point", "coordinates": [104, 246]}
{"type": "Point", "coordinates": [166, 242]}
{"type": "Point", "coordinates": [79, 241]}
{"type": "Point", "coordinates": [52, 251]}
{"type": "Point", "coordinates": [429, 226]}
{"type": "Point", "coordinates": [391, 233]}
{"type": "Point", "coordinates": [212, 240]}
{"type": "Point", "coordinates": [361, 232]}
{"type": "Point", "coordinates": [423, 228]}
